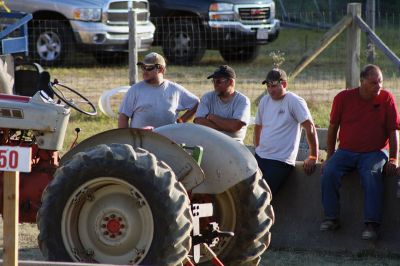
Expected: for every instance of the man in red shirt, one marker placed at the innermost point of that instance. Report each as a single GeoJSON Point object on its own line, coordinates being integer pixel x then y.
{"type": "Point", "coordinates": [368, 120]}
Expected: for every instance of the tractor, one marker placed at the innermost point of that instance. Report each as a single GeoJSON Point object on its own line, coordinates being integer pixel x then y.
{"type": "Point", "coordinates": [134, 196]}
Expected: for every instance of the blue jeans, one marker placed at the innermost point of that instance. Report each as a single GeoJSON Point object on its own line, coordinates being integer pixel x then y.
{"type": "Point", "coordinates": [369, 166]}
{"type": "Point", "coordinates": [274, 172]}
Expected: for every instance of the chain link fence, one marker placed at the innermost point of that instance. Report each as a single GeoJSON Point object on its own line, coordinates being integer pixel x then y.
{"type": "Point", "coordinates": [193, 52]}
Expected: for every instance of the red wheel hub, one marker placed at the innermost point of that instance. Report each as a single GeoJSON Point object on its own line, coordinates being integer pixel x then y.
{"type": "Point", "coordinates": [113, 226]}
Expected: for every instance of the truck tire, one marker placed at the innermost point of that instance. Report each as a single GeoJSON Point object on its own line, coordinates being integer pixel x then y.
{"type": "Point", "coordinates": [116, 205]}
{"type": "Point", "coordinates": [111, 58]}
{"type": "Point", "coordinates": [51, 41]}
{"type": "Point", "coordinates": [240, 54]}
{"type": "Point", "coordinates": [183, 41]}
{"type": "Point", "coordinates": [245, 210]}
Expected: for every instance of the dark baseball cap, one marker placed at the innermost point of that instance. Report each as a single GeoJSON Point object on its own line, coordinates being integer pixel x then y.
{"type": "Point", "coordinates": [275, 75]}
{"type": "Point", "coordinates": [223, 71]}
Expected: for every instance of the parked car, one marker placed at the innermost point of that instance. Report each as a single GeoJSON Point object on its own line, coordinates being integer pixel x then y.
{"type": "Point", "coordinates": [97, 26]}
{"type": "Point", "coordinates": [237, 28]}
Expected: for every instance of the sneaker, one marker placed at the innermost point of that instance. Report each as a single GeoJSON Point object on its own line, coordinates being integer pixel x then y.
{"type": "Point", "coordinates": [370, 232]}
{"type": "Point", "coordinates": [329, 225]}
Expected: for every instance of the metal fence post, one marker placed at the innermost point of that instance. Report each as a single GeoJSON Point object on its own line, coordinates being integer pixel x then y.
{"type": "Point", "coordinates": [353, 47]}
{"type": "Point", "coordinates": [133, 49]}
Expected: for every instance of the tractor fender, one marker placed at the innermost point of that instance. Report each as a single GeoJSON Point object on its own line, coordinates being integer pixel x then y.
{"type": "Point", "coordinates": [186, 169]}
{"type": "Point", "coordinates": [226, 162]}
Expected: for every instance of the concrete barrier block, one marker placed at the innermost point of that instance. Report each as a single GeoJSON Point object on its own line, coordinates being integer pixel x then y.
{"type": "Point", "coordinates": [299, 212]}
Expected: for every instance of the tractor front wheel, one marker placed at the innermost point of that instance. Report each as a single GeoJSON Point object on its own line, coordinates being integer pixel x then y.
{"type": "Point", "coordinates": [118, 205]}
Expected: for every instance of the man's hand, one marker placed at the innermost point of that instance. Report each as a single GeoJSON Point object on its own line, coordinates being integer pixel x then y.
{"type": "Point", "coordinates": [310, 165]}
{"type": "Point", "coordinates": [148, 128]}
{"type": "Point", "coordinates": [391, 167]}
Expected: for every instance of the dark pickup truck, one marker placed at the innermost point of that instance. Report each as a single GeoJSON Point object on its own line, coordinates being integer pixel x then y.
{"type": "Point", "coordinates": [237, 28]}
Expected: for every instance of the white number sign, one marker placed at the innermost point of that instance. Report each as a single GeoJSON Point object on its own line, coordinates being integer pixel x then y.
{"type": "Point", "coordinates": [13, 159]}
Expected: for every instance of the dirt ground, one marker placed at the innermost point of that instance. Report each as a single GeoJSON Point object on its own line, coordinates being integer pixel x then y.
{"type": "Point", "coordinates": [28, 250]}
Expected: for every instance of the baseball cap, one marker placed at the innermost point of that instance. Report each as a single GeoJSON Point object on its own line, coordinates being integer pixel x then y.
{"type": "Point", "coordinates": [153, 59]}
{"type": "Point", "coordinates": [274, 75]}
{"type": "Point", "coordinates": [223, 71]}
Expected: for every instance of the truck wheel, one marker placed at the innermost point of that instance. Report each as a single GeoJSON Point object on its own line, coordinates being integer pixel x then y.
{"type": "Point", "coordinates": [245, 210]}
{"type": "Point", "coordinates": [240, 54]}
{"type": "Point", "coordinates": [51, 42]}
{"type": "Point", "coordinates": [116, 205]}
{"type": "Point", "coordinates": [111, 58]}
{"type": "Point", "coordinates": [183, 42]}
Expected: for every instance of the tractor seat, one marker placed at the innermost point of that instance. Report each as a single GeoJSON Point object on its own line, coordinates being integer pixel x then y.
{"type": "Point", "coordinates": [31, 78]}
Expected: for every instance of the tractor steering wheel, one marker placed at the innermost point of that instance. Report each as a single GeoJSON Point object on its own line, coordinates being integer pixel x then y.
{"type": "Point", "coordinates": [60, 90]}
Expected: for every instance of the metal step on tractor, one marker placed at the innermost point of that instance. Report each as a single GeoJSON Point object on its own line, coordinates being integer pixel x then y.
{"type": "Point", "coordinates": [131, 196]}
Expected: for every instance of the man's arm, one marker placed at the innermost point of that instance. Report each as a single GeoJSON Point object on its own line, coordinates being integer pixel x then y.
{"type": "Point", "coordinates": [393, 152]}
{"type": "Point", "coordinates": [188, 114]}
{"type": "Point", "coordinates": [331, 139]}
{"type": "Point", "coordinates": [205, 122]}
{"type": "Point", "coordinates": [123, 121]}
{"type": "Point", "coordinates": [257, 133]}
{"type": "Point", "coordinates": [226, 124]}
{"type": "Point", "coordinates": [312, 140]}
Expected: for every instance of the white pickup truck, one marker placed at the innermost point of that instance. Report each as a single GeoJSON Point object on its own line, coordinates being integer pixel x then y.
{"type": "Point", "coordinates": [59, 27]}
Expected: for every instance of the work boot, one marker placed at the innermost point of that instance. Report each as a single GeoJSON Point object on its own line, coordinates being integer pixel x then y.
{"type": "Point", "coordinates": [370, 231]}
{"type": "Point", "coordinates": [329, 225]}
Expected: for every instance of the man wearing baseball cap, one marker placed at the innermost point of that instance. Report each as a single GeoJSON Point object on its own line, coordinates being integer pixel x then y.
{"type": "Point", "coordinates": [280, 116]}
{"type": "Point", "coordinates": [224, 109]}
{"type": "Point", "coordinates": [155, 101]}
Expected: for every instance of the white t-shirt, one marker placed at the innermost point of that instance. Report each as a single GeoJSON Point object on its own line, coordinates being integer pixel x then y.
{"type": "Point", "coordinates": [237, 108]}
{"type": "Point", "coordinates": [156, 106]}
{"type": "Point", "coordinates": [281, 130]}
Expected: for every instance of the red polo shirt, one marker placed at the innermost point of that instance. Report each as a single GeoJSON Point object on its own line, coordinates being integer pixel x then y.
{"type": "Point", "coordinates": [364, 125]}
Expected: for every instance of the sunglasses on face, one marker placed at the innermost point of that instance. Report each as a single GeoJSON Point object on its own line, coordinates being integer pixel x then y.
{"type": "Point", "coordinates": [273, 83]}
{"type": "Point", "coordinates": [219, 81]}
{"type": "Point", "coordinates": [148, 68]}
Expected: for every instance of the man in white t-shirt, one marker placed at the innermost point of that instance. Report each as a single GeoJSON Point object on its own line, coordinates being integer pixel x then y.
{"type": "Point", "coordinates": [155, 101]}
{"type": "Point", "coordinates": [279, 119]}
{"type": "Point", "coordinates": [224, 108]}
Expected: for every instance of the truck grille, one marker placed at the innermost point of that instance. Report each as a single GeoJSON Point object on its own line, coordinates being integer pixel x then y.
{"type": "Point", "coordinates": [124, 5]}
{"type": "Point", "coordinates": [254, 14]}
{"type": "Point", "coordinates": [117, 12]}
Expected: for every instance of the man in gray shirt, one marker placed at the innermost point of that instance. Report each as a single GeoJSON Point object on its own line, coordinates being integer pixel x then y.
{"type": "Point", "coordinates": [155, 101]}
{"type": "Point", "coordinates": [224, 109]}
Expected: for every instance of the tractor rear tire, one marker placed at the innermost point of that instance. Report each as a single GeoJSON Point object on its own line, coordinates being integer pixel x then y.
{"type": "Point", "coordinates": [118, 205]}
{"type": "Point", "coordinates": [244, 209]}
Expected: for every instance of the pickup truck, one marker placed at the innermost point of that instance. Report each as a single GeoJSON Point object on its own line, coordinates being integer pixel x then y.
{"type": "Point", "coordinates": [101, 27]}
{"type": "Point", "coordinates": [237, 28]}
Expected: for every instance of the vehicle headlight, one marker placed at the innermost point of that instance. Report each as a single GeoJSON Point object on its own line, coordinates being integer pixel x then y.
{"type": "Point", "coordinates": [221, 7]}
{"type": "Point", "coordinates": [221, 11]}
{"type": "Point", "coordinates": [87, 14]}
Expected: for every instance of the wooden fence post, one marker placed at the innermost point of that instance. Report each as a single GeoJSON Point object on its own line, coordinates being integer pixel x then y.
{"type": "Point", "coordinates": [133, 48]}
{"type": "Point", "coordinates": [370, 19]}
{"type": "Point", "coordinates": [353, 47]}
{"type": "Point", "coordinates": [10, 218]}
